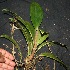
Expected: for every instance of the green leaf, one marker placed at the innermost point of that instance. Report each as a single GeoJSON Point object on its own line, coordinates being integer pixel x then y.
{"type": "Point", "coordinates": [21, 21]}
{"type": "Point", "coordinates": [36, 14]}
{"type": "Point", "coordinates": [40, 46]}
{"type": "Point", "coordinates": [42, 36]}
{"type": "Point", "coordinates": [7, 11]}
{"type": "Point", "coordinates": [10, 39]}
{"type": "Point", "coordinates": [27, 25]}
{"type": "Point", "coordinates": [49, 43]}
{"type": "Point", "coordinates": [13, 41]}
{"type": "Point", "coordinates": [43, 44]}
{"type": "Point", "coordinates": [27, 36]}
{"type": "Point", "coordinates": [60, 44]}
{"type": "Point", "coordinates": [52, 56]}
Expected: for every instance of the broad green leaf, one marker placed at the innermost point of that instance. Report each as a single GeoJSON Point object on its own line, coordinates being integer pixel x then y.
{"type": "Point", "coordinates": [36, 14]}
{"type": "Point", "coordinates": [52, 56]}
{"type": "Point", "coordinates": [13, 41]}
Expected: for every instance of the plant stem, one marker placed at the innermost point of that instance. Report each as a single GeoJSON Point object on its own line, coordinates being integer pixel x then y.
{"type": "Point", "coordinates": [35, 46]}
{"type": "Point", "coordinates": [12, 32]}
{"type": "Point", "coordinates": [13, 49]}
{"type": "Point", "coordinates": [54, 65]}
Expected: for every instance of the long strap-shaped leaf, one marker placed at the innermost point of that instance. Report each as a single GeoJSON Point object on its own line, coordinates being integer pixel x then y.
{"type": "Point", "coordinates": [25, 23]}
{"type": "Point", "coordinates": [60, 44]}
{"type": "Point", "coordinates": [26, 34]}
{"type": "Point", "coordinates": [10, 39]}
{"type": "Point", "coordinates": [52, 56]}
{"type": "Point", "coordinates": [13, 41]}
{"type": "Point", "coordinates": [49, 44]}
{"type": "Point", "coordinates": [40, 46]}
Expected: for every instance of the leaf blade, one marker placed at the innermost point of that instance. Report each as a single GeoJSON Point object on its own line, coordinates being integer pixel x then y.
{"type": "Point", "coordinates": [25, 23]}
{"type": "Point", "coordinates": [42, 36]}
{"type": "Point", "coordinates": [36, 14]}
{"type": "Point", "coordinates": [40, 46]}
{"type": "Point", "coordinates": [27, 37]}
{"type": "Point", "coordinates": [52, 56]}
{"type": "Point", "coordinates": [10, 39]}
{"type": "Point", "coordinates": [13, 41]}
